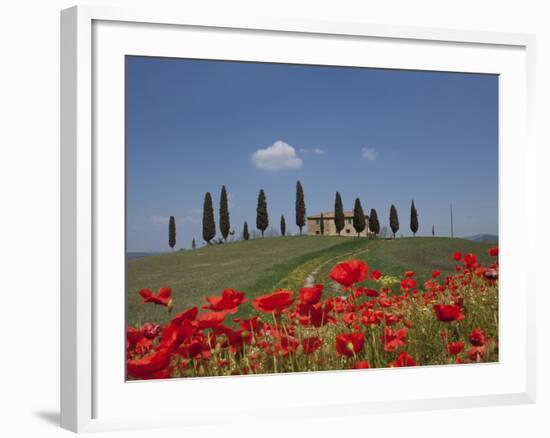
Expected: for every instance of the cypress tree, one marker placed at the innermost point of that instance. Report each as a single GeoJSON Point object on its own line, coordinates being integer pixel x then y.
{"type": "Point", "coordinates": [172, 232]}
{"type": "Point", "coordinates": [224, 214]}
{"type": "Point", "coordinates": [193, 244]}
{"type": "Point", "coordinates": [339, 219]}
{"type": "Point", "coordinates": [262, 220]}
{"type": "Point", "coordinates": [246, 234]}
{"type": "Point", "coordinates": [358, 217]}
{"type": "Point", "coordinates": [414, 219]}
{"type": "Point", "coordinates": [374, 225]}
{"type": "Point", "coordinates": [283, 226]}
{"type": "Point", "coordinates": [322, 225]}
{"type": "Point", "coordinates": [433, 230]}
{"type": "Point", "coordinates": [300, 206]}
{"type": "Point", "coordinates": [394, 220]}
{"type": "Point", "coordinates": [208, 224]}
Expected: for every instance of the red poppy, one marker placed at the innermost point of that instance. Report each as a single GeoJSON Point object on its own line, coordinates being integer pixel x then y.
{"type": "Point", "coordinates": [234, 338]}
{"type": "Point", "coordinates": [150, 331]}
{"type": "Point", "coordinates": [493, 252]}
{"type": "Point", "coordinates": [371, 317]}
{"type": "Point", "coordinates": [470, 260]}
{"type": "Point", "coordinates": [285, 344]}
{"type": "Point", "coordinates": [390, 318]}
{"type": "Point", "coordinates": [367, 292]}
{"type": "Point", "coordinates": [274, 302]}
{"type": "Point", "coordinates": [230, 300]}
{"type": "Point", "coordinates": [477, 337]}
{"type": "Point", "coordinates": [476, 353]}
{"type": "Point", "coordinates": [143, 346]}
{"type": "Point", "coordinates": [457, 256]}
{"type": "Point", "coordinates": [350, 272]}
{"type": "Point", "coordinates": [186, 315]}
{"type": "Point", "coordinates": [393, 340]}
{"type": "Point", "coordinates": [251, 325]}
{"type": "Point", "coordinates": [375, 275]}
{"type": "Point", "coordinates": [349, 318]}
{"type": "Point", "coordinates": [319, 314]}
{"type": "Point", "coordinates": [362, 365]}
{"type": "Point", "coordinates": [134, 335]}
{"type": "Point", "coordinates": [311, 295]}
{"type": "Point", "coordinates": [193, 347]}
{"type": "Point", "coordinates": [408, 283]}
{"type": "Point", "coordinates": [409, 274]}
{"type": "Point", "coordinates": [448, 312]}
{"type": "Point", "coordinates": [435, 273]}
{"type": "Point", "coordinates": [454, 348]}
{"type": "Point", "coordinates": [174, 334]}
{"type": "Point", "coordinates": [349, 344]}
{"type": "Point", "coordinates": [403, 360]}
{"type": "Point", "coordinates": [147, 366]}
{"type": "Point", "coordinates": [210, 319]}
{"type": "Point", "coordinates": [163, 297]}
{"type": "Point", "coordinates": [309, 345]}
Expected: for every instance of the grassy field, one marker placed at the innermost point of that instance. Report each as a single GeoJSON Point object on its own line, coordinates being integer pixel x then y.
{"type": "Point", "coordinates": [262, 265]}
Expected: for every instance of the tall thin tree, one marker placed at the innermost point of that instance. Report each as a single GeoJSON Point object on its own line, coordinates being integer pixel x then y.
{"type": "Point", "coordinates": [414, 219]}
{"type": "Point", "coordinates": [224, 214]}
{"type": "Point", "coordinates": [322, 225]}
{"type": "Point", "coordinates": [283, 226]}
{"type": "Point", "coordinates": [358, 217]}
{"type": "Point", "coordinates": [208, 224]}
{"type": "Point", "coordinates": [262, 219]}
{"type": "Point", "coordinates": [300, 206]}
{"type": "Point", "coordinates": [433, 230]}
{"type": "Point", "coordinates": [193, 244]}
{"type": "Point", "coordinates": [339, 218]}
{"type": "Point", "coordinates": [394, 220]}
{"type": "Point", "coordinates": [172, 232]}
{"type": "Point", "coordinates": [374, 225]}
{"type": "Point", "coordinates": [246, 234]}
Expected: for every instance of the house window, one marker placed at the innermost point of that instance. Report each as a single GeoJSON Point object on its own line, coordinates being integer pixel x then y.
{"type": "Point", "coordinates": [348, 231]}
{"type": "Point", "coordinates": [316, 232]}
{"type": "Point", "coordinates": [317, 221]}
{"type": "Point", "coordinates": [349, 221]}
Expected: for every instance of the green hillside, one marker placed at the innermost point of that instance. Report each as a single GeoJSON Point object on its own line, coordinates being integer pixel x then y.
{"type": "Point", "coordinates": [262, 265]}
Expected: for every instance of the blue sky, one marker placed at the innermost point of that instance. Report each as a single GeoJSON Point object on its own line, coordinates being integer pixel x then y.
{"type": "Point", "coordinates": [385, 136]}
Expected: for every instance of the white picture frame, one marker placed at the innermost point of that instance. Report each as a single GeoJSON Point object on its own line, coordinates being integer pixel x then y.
{"type": "Point", "coordinates": [92, 388]}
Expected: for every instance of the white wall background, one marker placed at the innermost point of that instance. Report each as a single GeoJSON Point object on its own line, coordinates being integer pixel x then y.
{"type": "Point", "coordinates": [29, 215]}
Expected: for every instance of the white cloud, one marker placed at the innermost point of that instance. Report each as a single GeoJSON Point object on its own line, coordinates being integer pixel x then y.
{"type": "Point", "coordinates": [369, 153]}
{"type": "Point", "coordinates": [317, 151]}
{"type": "Point", "coordinates": [279, 155]}
{"type": "Point", "coordinates": [160, 220]}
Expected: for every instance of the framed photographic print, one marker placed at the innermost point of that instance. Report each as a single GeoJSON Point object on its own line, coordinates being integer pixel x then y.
{"type": "Point", "coordinates": [269, 206]}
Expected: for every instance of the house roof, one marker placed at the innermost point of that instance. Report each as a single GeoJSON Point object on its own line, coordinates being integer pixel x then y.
{"type": "Point", "coordinates": [330, 215]}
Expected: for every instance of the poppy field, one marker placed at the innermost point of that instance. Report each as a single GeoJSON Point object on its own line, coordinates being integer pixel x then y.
{"type": "Point", "coordinates": [377, 321]}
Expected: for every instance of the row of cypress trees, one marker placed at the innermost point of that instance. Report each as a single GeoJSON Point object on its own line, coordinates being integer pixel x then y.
{"type": "Point", "coordinates": [359, 222]}
{"type": "Point", "coordinates": [262, 218]}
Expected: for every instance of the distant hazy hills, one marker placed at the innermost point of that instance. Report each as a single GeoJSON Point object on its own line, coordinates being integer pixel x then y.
{"type": "Point", "coordinates": [483, 238]}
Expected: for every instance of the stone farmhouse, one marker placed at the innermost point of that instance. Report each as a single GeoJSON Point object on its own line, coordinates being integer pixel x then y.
{"type": "Point", "coordinates": [314, 225]}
